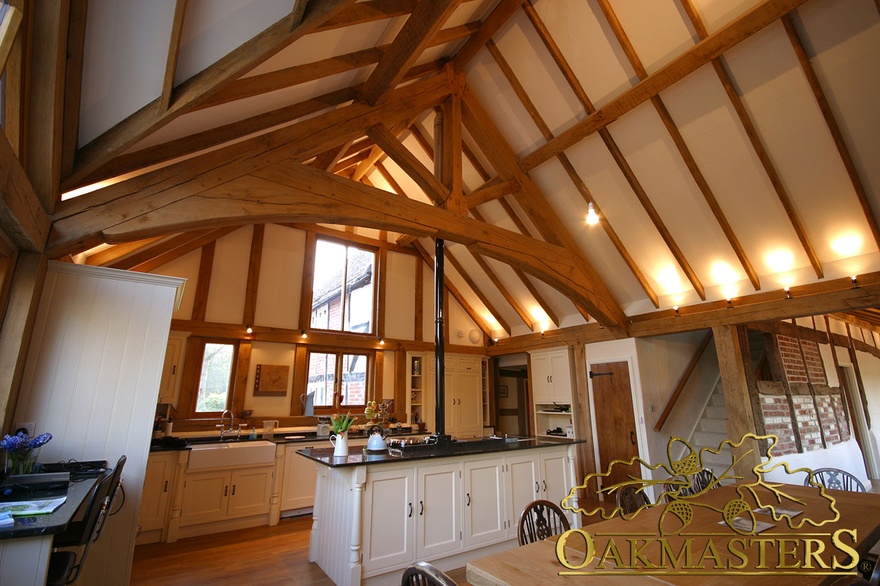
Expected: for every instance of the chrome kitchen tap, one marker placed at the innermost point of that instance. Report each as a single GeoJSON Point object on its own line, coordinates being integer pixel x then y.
{"type": "Point", "coordinates": [224, 432]}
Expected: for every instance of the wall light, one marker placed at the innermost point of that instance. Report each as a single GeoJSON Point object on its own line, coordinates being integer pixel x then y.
{"type": "Point", "coordinates": [675, 307]}
{"type": "Point", "coordinates": [304, 334]}
{"type": "Point", "coordinates": [382, 341]}
{"type": "Point", "coordinates": [855, 281]}
{"type": "Point", "coordinates": [249, 329]}
{"type": "Point", "coordinates": [787, 293]}
{"type": "Point", "coordinates": [729, 303]}
{"type": "Point", "coordinates": [592, 216]}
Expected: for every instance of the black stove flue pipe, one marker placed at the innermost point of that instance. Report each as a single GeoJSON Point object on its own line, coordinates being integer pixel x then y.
{"type": "Point", "coordinates": [439, 347]}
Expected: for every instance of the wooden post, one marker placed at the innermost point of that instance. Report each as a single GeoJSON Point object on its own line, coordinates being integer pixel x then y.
{"type": "Point", "coordinates": [740, 417]}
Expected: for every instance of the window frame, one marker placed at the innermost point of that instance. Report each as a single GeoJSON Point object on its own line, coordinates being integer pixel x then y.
{"type": "Point", "coordinates": [309, 286]}
{"type": "Point", "coordinates": [197, 375]}
{"type": "Point", "coordinates": [369, 377]}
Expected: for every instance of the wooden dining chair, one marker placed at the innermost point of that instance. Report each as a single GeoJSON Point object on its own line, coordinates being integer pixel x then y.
{"type": "Point", "coordinates": [702, 480]}
{"type": "Point", "coordinates": [541, 519]}
{"type": "Point", "coordinates": [677, 486]}
{"type": "Point", "coordinates": [630, 499]}
{"type": "Point", "coordinates": [835, 479]}
{"type": "Point", "coordinates": [424, 574]}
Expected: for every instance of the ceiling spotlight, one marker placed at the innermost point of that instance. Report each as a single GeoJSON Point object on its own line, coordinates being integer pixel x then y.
{"type": "Point", "coordinates": [249, 329]}
{"type": "Point", "coordinates": [304, 334]}
{"type": "Point", "coordinates": [592, 216]}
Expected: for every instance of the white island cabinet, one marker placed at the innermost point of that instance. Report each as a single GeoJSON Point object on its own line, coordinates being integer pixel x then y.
{"type": "Point", "coordinates": [375, 515]}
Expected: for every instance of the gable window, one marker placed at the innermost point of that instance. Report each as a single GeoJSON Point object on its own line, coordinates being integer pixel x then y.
{"type": "Point", "coordinates": [215, 380]}
{"type": "Point", "coordinates": [339, 379]}
{"type": "Point", "coordinates": [343, 288]}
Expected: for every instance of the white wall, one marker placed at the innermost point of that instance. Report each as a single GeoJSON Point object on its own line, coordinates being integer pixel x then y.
{"type": "Point", "coordinates": [92, 379]}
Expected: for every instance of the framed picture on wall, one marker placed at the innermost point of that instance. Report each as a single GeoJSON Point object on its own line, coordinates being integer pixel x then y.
{"type": "Point", "coordinates": [502, 391]}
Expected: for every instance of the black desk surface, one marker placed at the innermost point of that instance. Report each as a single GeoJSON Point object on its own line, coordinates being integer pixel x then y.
{"type": "Point", "coordinates": [57, 521]}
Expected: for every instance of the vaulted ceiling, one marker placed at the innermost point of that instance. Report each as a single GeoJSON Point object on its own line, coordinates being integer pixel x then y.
{"type": "Point", "coordinates": [729, 148]}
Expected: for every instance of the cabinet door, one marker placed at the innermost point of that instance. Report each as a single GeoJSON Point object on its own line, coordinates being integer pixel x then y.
{"type": "Point", "coordinates": [468, 411]}
{"type": "Point", "coordinates": [485, 519]}
{"type": "Point", "coordinates": [438, 527]}
{"type": "Point", "coordinates": [541, 378]}
{"type": "Point", "coordinates": [524, 486]}
{"type": "Point", "coordinates": [556, 481]}
{"type": "Point", "coordinates": [250, 491]}
{"type": "Point", "coordinates": [171, 369]}
{"type": "Point", "coordinates": [157, 490]}
{"type": "Point", "coordinates": [560, 376]}
{"type": "Point", "coordinates": [389, 519]}
{"type": "Point", "coordinates": [300, 477]}
{"type": "Point", "coordinates": [205, 497]}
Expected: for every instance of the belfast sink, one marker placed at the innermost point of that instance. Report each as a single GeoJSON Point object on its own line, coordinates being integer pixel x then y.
{"type": "Point", "coordinates": [230, 455]}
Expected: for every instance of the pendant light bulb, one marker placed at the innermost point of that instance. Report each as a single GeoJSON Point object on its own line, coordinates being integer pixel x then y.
{"type": "Point", "coordinates": [592, 216]}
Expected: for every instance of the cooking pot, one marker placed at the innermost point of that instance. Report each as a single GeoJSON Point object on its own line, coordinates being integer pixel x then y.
{"type": "Point", "coordinates": [376, 443]}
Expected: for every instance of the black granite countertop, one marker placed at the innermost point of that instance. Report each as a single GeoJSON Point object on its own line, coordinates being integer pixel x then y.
{"type": "Point", "coordinates": [57, 521]}
{"type": "Point", "coordinates": [175, 443]}
{"type": "Point", "coordinates": [358, 456]}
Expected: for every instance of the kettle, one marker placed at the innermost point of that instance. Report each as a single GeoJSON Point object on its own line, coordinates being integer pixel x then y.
{"type": "Point", "coordinates": [376, 443]}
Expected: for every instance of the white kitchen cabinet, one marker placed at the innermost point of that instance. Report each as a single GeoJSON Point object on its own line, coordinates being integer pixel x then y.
{"type": "Point", "coordinates": [389, 519]}
{"type": "Point", "coordinates": [156, 496]}
{"type": "Point", "coordinates": [464, 408]}
{"type": "Point", "coordinates": [172, 368]}
{"type": "Point", "coordinates": [218, 495]}
{"type": "Point", "coordinates": [411, 514]}
{"type": "Point", "coordinates": [485, 518]}
{"type": "Point", "coordinates": [524, 486]}
{"type": "Point", "coordinates": [438, 526]}
{"type": "Point", "coordinates": [300, 476]}
{"type": "Point", "coordinates": [551, 376]}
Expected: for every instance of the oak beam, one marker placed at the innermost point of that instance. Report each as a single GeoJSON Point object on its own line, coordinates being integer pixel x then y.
{"type": "Point", "coordinates": [740, 418]}
{"type": "Point", "coordinates": [478, 292]}
{"type": "Point", "coordinates": [22, 216]}
{"type": "Point", "coordinates": [426, 20]}
{"type": "Point", "coordinates": [424, 178]}
{"type": "Point", "coordinates": [702, 53]}
{"type": "Point", "coordinates": [173, 53]}
{"type": "Point", "coordinates": [199, 87]}
{"type": "Point", "coordinates": [113, 254]}
{"type": "Point", "coordinates": [77, 223]}
{"type": "Point", "coordinates": [17, 327]}
{"type": "Point", "coordinates": [490, 191]}
{"type": "Point", "coordinates": [491, 24]}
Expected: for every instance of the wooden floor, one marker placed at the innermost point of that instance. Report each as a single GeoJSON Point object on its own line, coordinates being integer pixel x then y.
{"type": "Point", "coordinates": [263, 555]}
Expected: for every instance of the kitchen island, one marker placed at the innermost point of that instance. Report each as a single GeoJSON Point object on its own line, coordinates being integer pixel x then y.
{"type": "Point", "coordinates": [376, 513]}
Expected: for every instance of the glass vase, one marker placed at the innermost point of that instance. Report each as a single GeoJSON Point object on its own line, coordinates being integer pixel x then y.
{"type": "Point", "coordinates": [21, 462]}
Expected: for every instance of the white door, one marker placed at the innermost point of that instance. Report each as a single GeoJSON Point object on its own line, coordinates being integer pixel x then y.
{"type": "Point", "coordinates": [556, 480]}
{"type": "Point", "coordinates": [300, 478]}
{"type": "Point", "coordinates": [157, 488]}
{"type": "Point", "coordinates": [389, 519]}
{"type": "Point", "coordinates": [250, 491]}
{"type": "Point", "coordinates": [524, 487]}
{"type": "Point", "coordinates": [469, 408]}
{"type": "Point", "coordinates": [484, 510]}
{"type": "Point", "coordinates": [438, 525]}
{"type": "Point", "coordinates": [205, 497]}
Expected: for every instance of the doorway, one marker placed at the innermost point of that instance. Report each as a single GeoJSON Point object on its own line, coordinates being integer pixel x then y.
{"type": "Point", "coordinates": [616, 437]}
{"type": "Point", "coordinates": [511, 396]}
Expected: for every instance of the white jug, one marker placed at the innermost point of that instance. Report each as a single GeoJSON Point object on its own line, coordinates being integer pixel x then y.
{"type": "Point", "coordinates": [269, 428]}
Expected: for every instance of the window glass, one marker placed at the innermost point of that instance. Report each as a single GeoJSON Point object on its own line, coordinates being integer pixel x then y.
{"type": "Point", "coordinates": [325, 368]}
{"type": "Point", "coordinates": [342, 288]}
{"type": "Point", "coordinates": [214, 381]}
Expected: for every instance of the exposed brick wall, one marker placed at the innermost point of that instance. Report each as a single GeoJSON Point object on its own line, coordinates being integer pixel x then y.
{"type": "Point", "coordinates": [777, 421]}
{"type": "Point", "coordinates": [824, 406]}
{"type": "Point", "coordinates": [842, 420]}
{"type": "Point", "coordinates": [813, 360]}
{"type": "Point", "coordinates": [807, 422]}
{"type": "Point", "coordinates": [792, 361]}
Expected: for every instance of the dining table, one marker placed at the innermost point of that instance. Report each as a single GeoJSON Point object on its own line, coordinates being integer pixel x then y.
{"type": "Point", "coordinates": [689, 542]}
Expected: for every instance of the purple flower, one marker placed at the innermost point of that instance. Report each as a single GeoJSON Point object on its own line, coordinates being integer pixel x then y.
{"type": "Point", "coordinates": [21, 442]}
